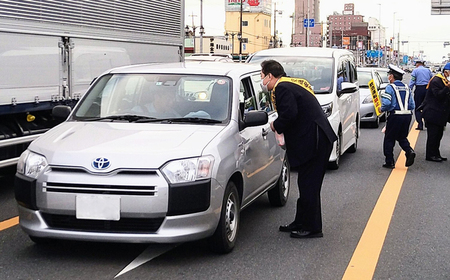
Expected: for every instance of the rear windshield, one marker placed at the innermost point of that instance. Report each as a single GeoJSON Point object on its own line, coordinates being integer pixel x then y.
{"type": "Point", "coordinates": [317, 70]}
{"type": "Point", "coordinates": [158, 96]}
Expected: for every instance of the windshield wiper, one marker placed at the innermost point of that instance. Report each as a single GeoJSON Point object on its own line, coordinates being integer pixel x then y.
{"type": "Point", "coordinates": [321, 91]}
{"type": "Point", "coordinates": [190, 120]}
{"type": "Point", "coordinates": [130, 118]}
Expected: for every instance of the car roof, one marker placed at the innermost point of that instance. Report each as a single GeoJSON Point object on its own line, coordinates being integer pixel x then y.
{"type": "Point", "coordinates": [210, 68]}
{"type": "Point", "coordinates": [302, 51]}
{"type": "Point", "coordinates": [209, 58]}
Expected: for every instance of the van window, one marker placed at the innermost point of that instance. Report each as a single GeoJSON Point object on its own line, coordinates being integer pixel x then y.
{"type": "Point", "coordinates": [316, 70]}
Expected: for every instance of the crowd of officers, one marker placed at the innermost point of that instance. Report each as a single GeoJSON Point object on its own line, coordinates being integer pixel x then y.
{"type": "Point", "coordinates": [430, 102]}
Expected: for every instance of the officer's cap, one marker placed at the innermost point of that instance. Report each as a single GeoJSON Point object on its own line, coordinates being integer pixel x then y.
{"type": "Point", "coordinates": [395, 69]}
{"type": "Point", "coordinates": [447, 66]}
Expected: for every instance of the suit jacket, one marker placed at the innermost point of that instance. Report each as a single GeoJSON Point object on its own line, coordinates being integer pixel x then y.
{"type": "Point", "coordinates": [436, 106]}
{"type": "Point", "coordinates": [300, 117]}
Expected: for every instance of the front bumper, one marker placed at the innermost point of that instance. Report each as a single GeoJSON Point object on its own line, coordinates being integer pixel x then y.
{"type": "Point", "coordinates": [173, 229]}
{"type": "Point", "coordinates": [150, 209]}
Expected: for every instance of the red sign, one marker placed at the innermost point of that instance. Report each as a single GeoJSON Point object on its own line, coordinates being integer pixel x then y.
{"type": "Point", "coordinates": [253, 2]}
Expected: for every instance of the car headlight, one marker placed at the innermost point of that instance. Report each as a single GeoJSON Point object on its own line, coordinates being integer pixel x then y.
{"type": "Point", "coordinates": [327, 109]}
{"type": "Point", "coordinates": [367, 100]}
{"type": "Point", "coordinates": [31, 164]}
{"type": "Point", "coordinates": [188, 170]}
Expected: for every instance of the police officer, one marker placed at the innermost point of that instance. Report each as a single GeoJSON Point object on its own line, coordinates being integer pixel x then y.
{"type": "Point", "coordinates": [397, 101]}
{"type": "Point", "coordinates": [420, 77]}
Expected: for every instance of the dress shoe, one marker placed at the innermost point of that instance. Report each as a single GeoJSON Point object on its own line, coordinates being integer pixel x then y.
{"type": "Point", "coordinates": [410, 158]}
{"type": "Point", "coordinates": [389, 165]}
{"type": "Point", "coordinates": [443, 158]}
{"type": "Point", "coordinates": [291, 227]}
{"type": "Point", "coordinates": [419, 128]}
{"type": "Point", "coordinates": [434, 158]}
{"type": "Point", "coordinates": [306, 234]}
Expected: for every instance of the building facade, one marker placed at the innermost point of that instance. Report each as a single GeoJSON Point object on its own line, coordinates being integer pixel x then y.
{"type": "Point", "coordinates": [306, 12]}
{"type": "Point", "coordinates": [255, 34]}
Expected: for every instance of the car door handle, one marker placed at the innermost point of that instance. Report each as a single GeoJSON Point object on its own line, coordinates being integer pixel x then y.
{"type": "Point", "coordinates": [265, 132]}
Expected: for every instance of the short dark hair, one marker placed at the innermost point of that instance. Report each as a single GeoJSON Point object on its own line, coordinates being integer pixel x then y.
{"type": "Point", "coordinates": [397, 76]}
{"type": "Point", "coordinates": [273, 67]}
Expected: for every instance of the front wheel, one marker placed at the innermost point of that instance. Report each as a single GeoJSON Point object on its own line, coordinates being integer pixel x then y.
{"type": "Point", "coordinates": [225, 235]}
{"type": "Point", "coordinates": [279, 194]}
{"type": "Point", "coordinates": [333, 165]}
{"type": "Point", "coordinates": [354, 147]}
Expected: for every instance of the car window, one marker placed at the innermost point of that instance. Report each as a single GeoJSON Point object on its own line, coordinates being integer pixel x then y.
{"type": "Point", "coordinates": [264, 98]}
{"type": "Point", "coordinates": [158, 96]}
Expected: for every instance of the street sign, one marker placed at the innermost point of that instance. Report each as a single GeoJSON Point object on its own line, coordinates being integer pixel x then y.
{"type": "Point", "coordinates": [310, 21]}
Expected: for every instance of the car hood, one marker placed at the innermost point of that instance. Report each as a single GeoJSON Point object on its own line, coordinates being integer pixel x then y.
{"type": "Point", "coordinates": [124, 145]}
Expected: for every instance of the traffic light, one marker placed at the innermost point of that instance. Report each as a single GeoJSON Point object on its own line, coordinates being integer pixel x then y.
{"type": "Point", "coordinates": [211, 45]}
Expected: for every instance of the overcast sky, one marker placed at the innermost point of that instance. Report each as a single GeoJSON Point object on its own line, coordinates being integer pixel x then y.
{"type": "Point", "coordinates": [412, 18]}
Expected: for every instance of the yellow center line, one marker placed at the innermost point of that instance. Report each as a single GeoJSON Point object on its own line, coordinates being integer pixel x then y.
{"type": "Point", "coordinates": [365, 257]}
{"type": "Point", "coordinates": [9, 223]}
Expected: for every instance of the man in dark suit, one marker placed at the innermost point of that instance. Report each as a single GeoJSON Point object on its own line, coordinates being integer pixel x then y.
{"type": "Point", "coordinates": [436, 112]}
{"type": "Point", "coordinates": [309, 140]}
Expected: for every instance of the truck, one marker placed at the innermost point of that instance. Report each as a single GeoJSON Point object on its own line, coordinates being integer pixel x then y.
{"type": "Point", "coordinates": [51, 51]}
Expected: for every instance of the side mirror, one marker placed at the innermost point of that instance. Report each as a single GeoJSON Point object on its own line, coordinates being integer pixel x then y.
{"type": "Point", "coordinates": [61, 112]}
{"type": "Point", "coordinates": [347, 87]}
{"type": "Point", "coordinates": [255, 118]}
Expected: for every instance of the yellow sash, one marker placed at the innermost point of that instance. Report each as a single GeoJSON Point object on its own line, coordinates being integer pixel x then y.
{"type": "Point", "coordinates": [300, 82]}
{"type": "Point", "coordinates": [439, 75]}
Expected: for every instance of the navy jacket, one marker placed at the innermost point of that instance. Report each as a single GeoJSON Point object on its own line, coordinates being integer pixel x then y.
{"type": "Point", "coordinates": [300, 116]}
{"type": "Point", "coordinates": [436, 106]}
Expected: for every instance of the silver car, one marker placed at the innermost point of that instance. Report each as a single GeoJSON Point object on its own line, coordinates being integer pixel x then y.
{"type": "Point", "coordinates": [120, 169]}
{"type": "Point", "coordinates": [367, 109]}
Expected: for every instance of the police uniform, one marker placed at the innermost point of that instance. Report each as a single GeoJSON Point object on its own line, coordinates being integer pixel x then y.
{"type": "Point", "coordinates": [420, 77]}
{"type": "Point", "coordinates": [397, 101]}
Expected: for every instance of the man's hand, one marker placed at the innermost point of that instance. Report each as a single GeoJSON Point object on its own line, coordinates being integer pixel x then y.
{"type": "Point", "coordinates": [271, 127]}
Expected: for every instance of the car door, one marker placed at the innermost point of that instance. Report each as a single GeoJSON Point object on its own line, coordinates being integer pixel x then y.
{"type": "Point", "coordinates": [348, 102]}
{"type": "Point", "coordinates": [262, 162]}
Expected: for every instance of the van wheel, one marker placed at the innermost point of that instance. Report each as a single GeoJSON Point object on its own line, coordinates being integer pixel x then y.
{"type": "Point", "coordinates": [333, 165]}
{"type": "Point", "coordinates": [279, 195]}
{"type": "Point", "coordinates": [226, 232]}
{"type": "Point", "coordinates": [354, 147]}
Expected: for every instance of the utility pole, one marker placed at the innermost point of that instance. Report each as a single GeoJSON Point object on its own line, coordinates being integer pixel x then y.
{"type": "Point", "coordinates": [202, 30]}
{"type": "Point", "coordinates": [307, 28]}
{"type": "Point", "coordinates": [275, 25]}
{"type": "Point", "coordinates": [240, 32]}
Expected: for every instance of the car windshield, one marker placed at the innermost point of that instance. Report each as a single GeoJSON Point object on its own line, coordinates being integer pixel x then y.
{"type": "Point", "coordinates": [364, 78]}
{"type": "Point", "coordinates": [316, 70]}
{"type": "Point", "coordinates": [153, 97]}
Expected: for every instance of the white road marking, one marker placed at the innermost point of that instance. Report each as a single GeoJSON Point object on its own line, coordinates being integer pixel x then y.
{"type": "Point", "coordinates": [152, 251]}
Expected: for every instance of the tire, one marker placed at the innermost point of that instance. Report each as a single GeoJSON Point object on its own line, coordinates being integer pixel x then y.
{"type": "Point", "coordinates": [225, 235]}
{"type": "Point", "coordinates": [334, 165]}
{"type": "Point", "coordinates": [354, 147]}
{"type": "Point", "coordinates": [376, 123]}
{"type": "Point", "coordinates": [279, 194]}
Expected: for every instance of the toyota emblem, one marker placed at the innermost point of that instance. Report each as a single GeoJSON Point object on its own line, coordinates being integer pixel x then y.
{"type": "Point", "coordinates": [101, 163]}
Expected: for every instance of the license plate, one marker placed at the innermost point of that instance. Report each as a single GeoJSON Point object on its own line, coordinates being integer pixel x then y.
{"type": "Point", "coordinates": [98, 207]}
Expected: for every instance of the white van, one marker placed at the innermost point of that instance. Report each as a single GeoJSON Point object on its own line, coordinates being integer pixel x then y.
{"type": "Point", "coordinates": [332, 74]}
